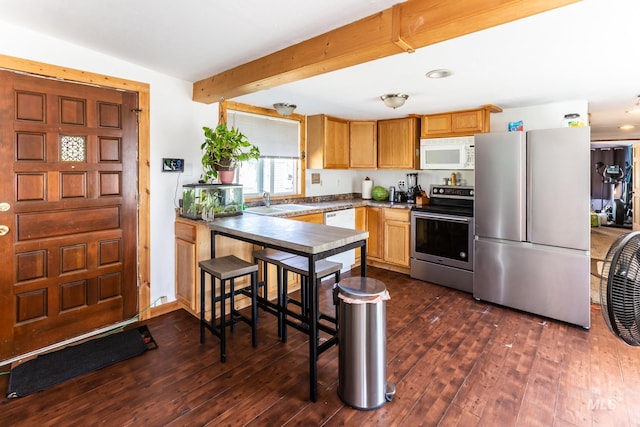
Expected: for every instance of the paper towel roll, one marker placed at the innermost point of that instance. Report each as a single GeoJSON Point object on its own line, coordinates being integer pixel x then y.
{"type": "Point", "coordinates": [367, 185]}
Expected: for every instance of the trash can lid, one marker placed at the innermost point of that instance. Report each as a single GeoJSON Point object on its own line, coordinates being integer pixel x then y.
{"type": "Point", "coordinates": [361, 287]}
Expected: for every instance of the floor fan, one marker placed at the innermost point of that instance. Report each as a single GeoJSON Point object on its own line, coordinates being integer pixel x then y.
{"type": "Point", "coordinates": [620, 288]}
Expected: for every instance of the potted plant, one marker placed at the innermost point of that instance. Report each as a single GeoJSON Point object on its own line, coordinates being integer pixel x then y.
{"type": "Point", "coordinates": [224, 149]}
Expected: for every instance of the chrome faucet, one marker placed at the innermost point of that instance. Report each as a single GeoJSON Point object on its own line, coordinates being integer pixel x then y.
{"type": "Point", "coordinates": [267, 198]}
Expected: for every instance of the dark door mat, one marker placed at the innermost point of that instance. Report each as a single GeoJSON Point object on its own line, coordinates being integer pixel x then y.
{"type": "Point", "coordinates": [59, 366]}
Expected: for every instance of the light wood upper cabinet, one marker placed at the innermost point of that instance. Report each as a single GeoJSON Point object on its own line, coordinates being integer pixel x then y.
{"type": "Point", "coordinates": [363, 146]}
{"type": "Point", "coordinates": [436, 124]}
{"type": "Point", "coordinates": [398, 141]}
{"type": "Point", "coordinates": [458, 123]}
{"type": "Point", "coordinates": [469, 122]}
{"type": "Point", "coordinates": [327, 142]}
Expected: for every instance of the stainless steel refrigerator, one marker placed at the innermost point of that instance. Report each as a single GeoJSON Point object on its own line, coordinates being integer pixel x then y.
{"type": "Point", "coordinates": [532, 229]}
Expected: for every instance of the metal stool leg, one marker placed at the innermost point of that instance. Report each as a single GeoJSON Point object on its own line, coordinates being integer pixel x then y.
{"type": "Point", "coordinates": [232, 306]}
{"type": "Point", "coordinates": [304, 288]}
{"type": "Point", "coordinates": [223, 317]}
{"type": "Point", "coordinates": [283, 306]}
{"type": "Point", "coordinates": [202, 308]}
{"type": "Point", "coordinates": [254, 309]}
{"type": "Point", "coordinates": [281, 295]}
{"type": "Point", "coordinates": [213, 303]}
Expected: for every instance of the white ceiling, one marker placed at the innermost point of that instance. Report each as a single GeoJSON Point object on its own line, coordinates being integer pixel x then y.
{"type": "Point", "coordinates": [588, 50]}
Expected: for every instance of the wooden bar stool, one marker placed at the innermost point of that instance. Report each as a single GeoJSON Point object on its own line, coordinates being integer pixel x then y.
{"type": "Point", "coordinates": [300, 265]}
{"type": "Point", "coordinates": [275, 257]}
{"type": "Point", "coordinates": [227, 269]}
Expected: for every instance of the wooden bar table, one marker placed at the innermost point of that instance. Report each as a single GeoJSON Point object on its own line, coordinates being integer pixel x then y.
{"type": "Point", "coordinates": [314, 241]}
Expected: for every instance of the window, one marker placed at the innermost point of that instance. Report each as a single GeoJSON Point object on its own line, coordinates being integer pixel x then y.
{"type": "Point", "coordinates": [280, 167]}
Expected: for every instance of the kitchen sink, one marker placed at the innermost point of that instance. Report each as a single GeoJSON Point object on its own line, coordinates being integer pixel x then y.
{"type": "Point", "coordinates": [278, 209]}
{"type": "Point", "coordinates": [293, 207]}
{"type": "Point", "coordinates": [263, 210]}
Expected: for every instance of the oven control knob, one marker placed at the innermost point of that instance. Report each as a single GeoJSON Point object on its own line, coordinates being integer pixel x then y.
{"type": "Point", "coordinates": [471, 192]}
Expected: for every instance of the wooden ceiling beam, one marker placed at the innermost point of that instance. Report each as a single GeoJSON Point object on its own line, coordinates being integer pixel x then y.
{"type": "Point", "coordinates": [403, 28]}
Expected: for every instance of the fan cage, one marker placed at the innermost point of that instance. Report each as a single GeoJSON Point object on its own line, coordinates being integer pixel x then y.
{"type": "Point", "coordinates": [620, 288]}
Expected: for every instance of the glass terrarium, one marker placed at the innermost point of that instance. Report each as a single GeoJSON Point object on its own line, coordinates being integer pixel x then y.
{"type": "Point", "coordinates": [200, 200]}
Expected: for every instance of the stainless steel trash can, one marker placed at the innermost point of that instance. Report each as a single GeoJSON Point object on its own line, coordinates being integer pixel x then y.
{"type": "Point", "coordinates": [362, 343]}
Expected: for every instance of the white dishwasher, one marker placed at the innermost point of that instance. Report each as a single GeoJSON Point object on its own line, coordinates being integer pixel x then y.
{"type": "Point", "coordinates": [345, 218]}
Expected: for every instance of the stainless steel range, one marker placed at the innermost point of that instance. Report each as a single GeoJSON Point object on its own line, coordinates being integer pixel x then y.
{"type": "Point", "coordinates": [442, 238]}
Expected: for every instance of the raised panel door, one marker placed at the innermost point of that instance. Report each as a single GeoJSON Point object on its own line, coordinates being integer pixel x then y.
{"type": "Point", "coordinates": [436, 125]}
{"type": "Point", "coordinates": [468, 122]}
{"type": "Point", "coordinates": [70, 262]}
{"type": "Point", "coordinates": [327, 142]}
{"type": "Point", "coordinates": [336, 143]}
{"type": "Point", "coordinates": [361, 224]}
{"type": "Point", "coordinates": [374, 227]}
{"type": "Point", "coordinates": [316, 218]}
{"type": "Point", "coordinates": [398, 141]}
{"type": "Point", "coordinates": [396, 242]}
{"type": "Point", "coordinates": [363, 145]}
{"type": "Point", "coordinates": [186, 270]}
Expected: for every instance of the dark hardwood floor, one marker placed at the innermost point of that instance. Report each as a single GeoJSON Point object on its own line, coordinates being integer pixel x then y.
{"type": "Point", "coordinates": [454, 361]}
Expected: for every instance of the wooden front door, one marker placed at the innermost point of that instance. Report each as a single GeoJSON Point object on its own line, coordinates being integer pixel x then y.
{"type": "Point", "coordinates": [68, 212]}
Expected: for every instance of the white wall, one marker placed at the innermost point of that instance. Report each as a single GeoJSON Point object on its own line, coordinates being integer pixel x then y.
{"type": "Point", "coordinates": [350, 181]}
{"type": "Point", "coordinates": [544, 116]}
{"type": "Point", "coordinates": [176, 131]}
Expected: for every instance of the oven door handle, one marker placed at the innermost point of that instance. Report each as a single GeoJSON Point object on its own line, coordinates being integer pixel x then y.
{"type": "Point", "coordinates": [444, 218]}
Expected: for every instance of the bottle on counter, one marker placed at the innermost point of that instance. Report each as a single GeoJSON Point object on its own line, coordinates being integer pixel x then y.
{"type": "Point", "coordinates": [453, 178]}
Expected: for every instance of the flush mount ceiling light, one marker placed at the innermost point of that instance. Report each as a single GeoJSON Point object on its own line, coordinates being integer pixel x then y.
{"type": "Point", "coordinates": [440, 73]}
{"type": "Point", "coordinates": [394, 100]}
{"type": "Point", "coordinates": [636, 108]}
{"type": "Point", "coordinates": [627, 127]}
{"type": "Point", "coordinates": [284, 109]}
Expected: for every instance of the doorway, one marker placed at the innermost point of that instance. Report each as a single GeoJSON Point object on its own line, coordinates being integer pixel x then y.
{"type": "Point", "coordinates": [611, 184]}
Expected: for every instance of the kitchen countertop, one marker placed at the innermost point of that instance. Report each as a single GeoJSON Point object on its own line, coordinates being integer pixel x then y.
{"type": "Point", "coordinates": [337, 205]}
{"type": "Point", "coordinates": [299, 236]}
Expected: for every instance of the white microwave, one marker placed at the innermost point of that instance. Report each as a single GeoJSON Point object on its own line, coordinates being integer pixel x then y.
{"type": "Point", "coordinates": [447, 153]}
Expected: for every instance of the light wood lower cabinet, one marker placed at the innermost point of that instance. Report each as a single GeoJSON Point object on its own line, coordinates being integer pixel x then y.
{"type": "Point", "coordinates": [375, 228]}
{"type": "Point", "coordinates": [361, 224]}
{"type": "Point", "coordinates": [396, 236]}
{"type": "Point", "coordinates": [192, 245]}
{"type": "Point", "coordinates": [389, 238]}
{"type": "Point", "coordinates": [316, 218]}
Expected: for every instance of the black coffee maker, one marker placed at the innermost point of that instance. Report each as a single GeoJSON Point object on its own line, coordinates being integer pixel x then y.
{"type": "Point", "coordinates": [413, 189]}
